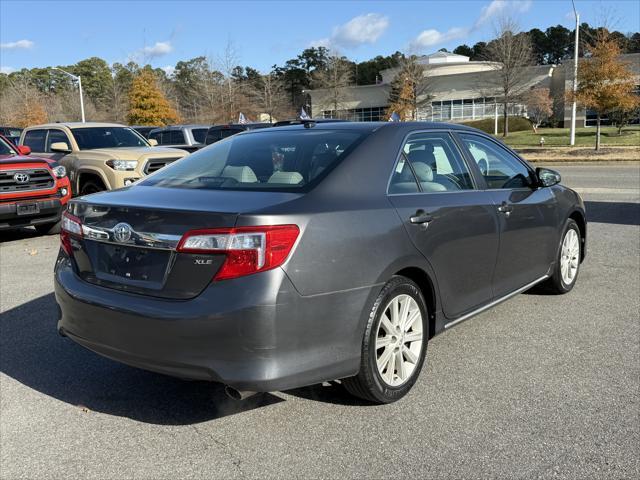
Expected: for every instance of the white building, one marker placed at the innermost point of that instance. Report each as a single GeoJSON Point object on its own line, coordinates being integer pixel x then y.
{"type": "Point", "coordinates": [461, 90]}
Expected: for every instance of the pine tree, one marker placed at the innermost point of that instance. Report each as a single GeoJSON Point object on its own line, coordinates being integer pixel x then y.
{"type": "Point", "coordinates": [147, 104]}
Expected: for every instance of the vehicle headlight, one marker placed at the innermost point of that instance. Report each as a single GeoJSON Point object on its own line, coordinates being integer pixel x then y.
{"type": "Point", "coordinates": [123, 165]}
{"type": "Point", "coordinates": [59, 171]}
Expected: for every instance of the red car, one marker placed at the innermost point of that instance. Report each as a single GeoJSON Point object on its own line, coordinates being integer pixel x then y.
{"type": "Point", "coordinates": [33, 190]}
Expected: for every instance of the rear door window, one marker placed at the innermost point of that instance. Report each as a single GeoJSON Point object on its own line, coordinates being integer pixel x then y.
{"type": "Point", "coordinates": [199, 134]}
{"type": "Point", "coordinates": [213, 135]}
{"type": "Point", "coordinates": [35, 139]}
{"type": "Point", "coordinates": [436, 163]}
{"type": "Point", "coordinates": [176, 137]}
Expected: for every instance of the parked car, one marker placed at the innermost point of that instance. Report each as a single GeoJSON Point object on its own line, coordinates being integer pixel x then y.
{"type": "Point", "coordinates": [143, 130]}
{"type": "Point", "coordinates": [220, 132]}
{"type": "Point", "coordinates": [98, 156]}
{"type": "Point", "coordinates": [291, 256]}
{"type": "Point", "coordinates": [11, 133]}
{"type": "Point", "coordinates": [33, 191]}
{"type": "Point", "coordinates": [296, 121]}
{"type": "Point", "coordinates": [185, 137]}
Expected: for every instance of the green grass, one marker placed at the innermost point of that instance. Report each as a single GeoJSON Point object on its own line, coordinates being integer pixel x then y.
{"type": "Point", "coordinates": [585, 137]}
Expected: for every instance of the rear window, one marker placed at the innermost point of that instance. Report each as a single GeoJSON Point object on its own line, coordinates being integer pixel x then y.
{"type": "Point", "coordinates": [286, 161]}
{"type": "Point", "coordinates": [199, 134]}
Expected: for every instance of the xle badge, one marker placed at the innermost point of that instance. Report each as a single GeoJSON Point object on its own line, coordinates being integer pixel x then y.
{"type": "Point", "coordinates": [202, 261]}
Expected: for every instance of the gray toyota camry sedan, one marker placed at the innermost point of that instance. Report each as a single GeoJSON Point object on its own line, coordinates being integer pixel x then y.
{"type": "Point", "coordinates": [290, 256]}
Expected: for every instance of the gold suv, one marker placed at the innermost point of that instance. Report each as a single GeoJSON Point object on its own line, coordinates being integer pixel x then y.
{"type": "Point", "coordinates": [98, 156]}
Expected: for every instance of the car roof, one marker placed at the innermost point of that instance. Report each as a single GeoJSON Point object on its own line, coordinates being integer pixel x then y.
{"type": "Point", "coordinates": [373, 126]}
{"type": "Point", "coordinates": [77, 125]}
{"type": "Point", "coordinates": [180, 127]}
{"type": "Point", "coordinates": [240, 125]}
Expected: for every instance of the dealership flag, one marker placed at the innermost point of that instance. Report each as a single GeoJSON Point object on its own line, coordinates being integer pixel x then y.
{"type": "Point", "coordinates": [242, 119]}
{"type": "Point", "coordinates": [394, 117]}
{"type": "Point", "coordinates": [303, 115]}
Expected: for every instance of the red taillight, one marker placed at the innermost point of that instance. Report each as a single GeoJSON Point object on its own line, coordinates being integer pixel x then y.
{"type": "Point", "coordinates": [248, 249]}
{"type": "Point", "coordinates": [70, 225]}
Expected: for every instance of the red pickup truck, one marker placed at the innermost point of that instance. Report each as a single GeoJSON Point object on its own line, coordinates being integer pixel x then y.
{"type": "Point", "coordinates": [33, 190]}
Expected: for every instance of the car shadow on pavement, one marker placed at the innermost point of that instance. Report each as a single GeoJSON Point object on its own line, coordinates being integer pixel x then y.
{"type": "Point", "coordinates": [18, 234]}
{"type": "Point", "coordinates": [618, 213]}
{"type": "Point", "coordinates": [32, 352]}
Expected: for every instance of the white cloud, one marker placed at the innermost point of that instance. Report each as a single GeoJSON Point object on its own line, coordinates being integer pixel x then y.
{"type": "Point", "coordinates": [20, 44]}
{"type": "Point", "coordinates": [433, 37]}
{"type": "Point", "coordinates": [499, 7]}
{"type": "Point", "coordinates": [169, 70]}
{"type": "Point", "coordinates": [157, 50]}
{"type": "Point", "coordinates": [7, 70]}
{"type": "Point", "coordinates": [358, 31]}
{"type": "Point", "coordinates": [148, 53]}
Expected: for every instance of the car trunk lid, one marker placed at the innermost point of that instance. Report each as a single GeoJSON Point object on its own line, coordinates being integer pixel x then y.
{"type": "Point", "coordinates": [130, 237]}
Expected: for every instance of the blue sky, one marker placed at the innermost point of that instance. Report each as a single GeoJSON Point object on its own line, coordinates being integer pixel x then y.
{"type": "Point", "coordinates": [39, 33]}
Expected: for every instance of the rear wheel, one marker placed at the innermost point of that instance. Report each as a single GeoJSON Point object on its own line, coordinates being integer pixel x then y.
{"type": "Point", "coordinates": [567, 266]}
{"type": "Point", "coordinates": [394, 344]}
{"type": "Point", "coordinates": [48, 228]}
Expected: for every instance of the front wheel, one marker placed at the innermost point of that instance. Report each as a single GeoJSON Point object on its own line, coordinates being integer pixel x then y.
{"type": "Point", "coordinates": [567, 266]}
{"type": "Point", "coordinates": [91, 186]}
{"type": "Point", "coordinates": [394, 345]}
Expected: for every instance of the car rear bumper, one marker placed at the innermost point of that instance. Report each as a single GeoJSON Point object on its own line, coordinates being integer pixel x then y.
{"type": "Point", "coordinates": [254, 333]}
{"type": "Point", "coordinates": [50, 210]}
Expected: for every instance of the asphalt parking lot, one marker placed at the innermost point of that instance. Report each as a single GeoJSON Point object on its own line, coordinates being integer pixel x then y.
{"type": "Point", "coordinates": [541, 386]}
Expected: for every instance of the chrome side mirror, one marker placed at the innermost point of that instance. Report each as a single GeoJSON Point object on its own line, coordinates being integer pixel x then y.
{"type": "Point", "coordinates": [547, 177]}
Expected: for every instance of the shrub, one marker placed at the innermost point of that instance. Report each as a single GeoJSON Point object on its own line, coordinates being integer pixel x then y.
{"type": "Point", "coordinates": [516, 124]}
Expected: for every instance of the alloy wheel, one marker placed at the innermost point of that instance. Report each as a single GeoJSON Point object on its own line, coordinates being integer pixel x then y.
{"type": "Point", "coordinates": [570, 257]}
{"type": "Point", "coordinates": [399, 340]}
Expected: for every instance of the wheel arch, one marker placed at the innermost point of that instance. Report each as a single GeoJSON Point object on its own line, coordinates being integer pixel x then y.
{"type": "Point", "coordinates": [86, 173]}
{"type": "Point", "coordinates": [579, 217]}
{"type": "Point", "coordinates": [427, 287]}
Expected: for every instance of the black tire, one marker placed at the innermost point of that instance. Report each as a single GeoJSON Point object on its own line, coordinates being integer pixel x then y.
{"type": "Point", "coordinates": [368, 384]}
{"type": "Point", "coordinates": [556, 285]}
{"type": "Point", "coordinates": [48, 228]}
{"type": "Point", "coordinates": [91, 186]}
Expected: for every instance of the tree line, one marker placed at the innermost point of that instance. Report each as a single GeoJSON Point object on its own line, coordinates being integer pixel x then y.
{"type": "Point", "coordinates": [215, 89]}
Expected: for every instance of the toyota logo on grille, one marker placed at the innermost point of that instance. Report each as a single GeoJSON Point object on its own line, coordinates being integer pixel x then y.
{"type": "Point", "coordinates": [122, 232]}
{"type": "Point", "coordinates": [21, 177]}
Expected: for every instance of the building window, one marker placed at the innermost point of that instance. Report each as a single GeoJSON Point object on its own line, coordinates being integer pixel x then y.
{"type": "Point", "coordinates": [371, 114]}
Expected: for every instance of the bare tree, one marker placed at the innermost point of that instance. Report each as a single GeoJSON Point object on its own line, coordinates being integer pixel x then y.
{"type": "Point", "coordinates": [21, 104]}
{"type": "Point", "coordinates": [269, 95]}
{"type": "Point", "coordinates": [411, 89]}
{"type": "Point", "coordinates": [335, 79]}
{"type": "Point", "coordinates": [511, 54]}
{"type": "Point", "coordinates": [227, 62]}
{"type": "Point", "coordinates": [539, 106]}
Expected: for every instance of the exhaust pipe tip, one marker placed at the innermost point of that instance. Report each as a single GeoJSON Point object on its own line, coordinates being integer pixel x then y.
{"type": "Point", "coordinates": [235, 394]}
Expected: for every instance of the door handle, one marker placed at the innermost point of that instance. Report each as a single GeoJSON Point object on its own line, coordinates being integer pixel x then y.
{"type": "Point", "coordinates": [420, 217]}
{"type": "Point", "coordinates": [505, 208]}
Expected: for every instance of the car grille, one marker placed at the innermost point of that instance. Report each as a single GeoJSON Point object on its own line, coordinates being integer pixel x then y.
{"type": "Point", "coordinates": [155, 164]}
{"type": "Point", "coordinates": [38, 179]}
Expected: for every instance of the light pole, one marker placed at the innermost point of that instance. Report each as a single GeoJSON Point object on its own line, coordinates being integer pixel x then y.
{"type": "Point", "coordinates": [572, 135]}
{"type": "Point", "coordinates": [79, 87]}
